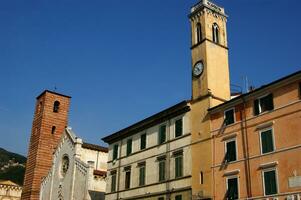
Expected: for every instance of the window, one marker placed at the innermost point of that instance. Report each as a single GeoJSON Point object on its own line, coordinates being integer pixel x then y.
{"type": "Point", "coordinates": [178, 165]}
{"type": "Point", "coordinates": [56, 106]}
{"type": "Point", "coordinates": [263, 104]}
{"type": "Point", "coordinates": [53, 130]}
{"type": "Point", "coordinates": [162, 170]}
{"type": "Point", "coordinates": [229, 116]}
{"type": "Point", "coordinates": [115, 151]}
{"type": "Point", "coordinates": [142, 175]}
{"type": "Point", "coordinates": [178, 197]}
{"type": "Point", "coordinates": [230, 151]}
{"type": "Point", "coordinates": [267, 142]}
{"type": "Point", "coordinates": [270, 182]}
{"type": "Point", "coordinates": [232, 188]}
{"type": "Point", "coordinates": [179, 127]}
{"type": "Point", "coordinates": [198, 33]}
{"type": "Point", "coordinates": [129, 147]}
{"type": "Point", "coordinates": [215, 33]}
{"type": "Point", "coordinates": [113, 181]}
{"type": "Point", "coordinates": [143, 141]}
{"type": "Point", "coordinates": [128, 179]}
{"type": "Point", "coordinates": [161, 198]}
{"type": "Point", "coordinates": [162, 134]}
{"type": "Point", "coordinates": [201, 178]}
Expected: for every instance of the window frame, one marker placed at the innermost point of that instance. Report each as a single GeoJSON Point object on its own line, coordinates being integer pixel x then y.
{"type": "Point", "coordinates": [129, 152]}
{"type": "Point", "coordinates": [263, 180]}
{"type": "Point", "coordinates": [234, 117]}
{"type": "Point", "coordinates": [159, 133]}
{"type": "Point", "coordinates": [273, 138]}
{"type": "Point", "coordinates": [139, 177]}
{"type": "Point", "coordinates": [125, 179]}
{"type": "Point", "coordinates": [236, 149]}
{"type": "Point", "coordinates": [259, 106]}
{"type": "Point", "coordinates": [143, 134]}
{"type": "Point", "coordinates": [182, 165]}
{"type": "Point", "coordinates": [238, 186]}
{"type": "Point", "coordinates": [164, 171]}
{"type": "Point", "coordinates": [175, 130]}
{"type": "Point", "coordinates": [113, 156]}
{"type": "Point", "coordinates": [113, 187]}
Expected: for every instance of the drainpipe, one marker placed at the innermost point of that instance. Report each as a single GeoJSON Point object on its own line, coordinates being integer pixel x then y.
{"type": "Point", "coordinates": [168, 160]}
{"type": "Point", "coordinates": [246, 149]}
{"type": "Point", "coordinates": [119, 170]}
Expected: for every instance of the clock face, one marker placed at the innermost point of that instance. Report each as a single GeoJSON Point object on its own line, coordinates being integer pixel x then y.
{"type": "Point", "coordinates": [198, 69]}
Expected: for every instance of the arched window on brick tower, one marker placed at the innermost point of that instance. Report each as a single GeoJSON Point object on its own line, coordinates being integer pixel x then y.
{"type": "Point", "coordinates": [56, 106]}
{"type": "Point", "coordinates": [215, 33]}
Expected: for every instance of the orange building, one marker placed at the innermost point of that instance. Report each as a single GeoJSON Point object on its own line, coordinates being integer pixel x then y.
{"type": "Point", "coordinates": [256, 143]}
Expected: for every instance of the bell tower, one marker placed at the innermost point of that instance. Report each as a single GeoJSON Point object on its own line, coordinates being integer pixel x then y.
{"type": "Point", "coordinates": [209, 51]}
{"type": "Point", "coordinates": [210, 87]}
{"type": "Point", "coordinates": [49, 122]}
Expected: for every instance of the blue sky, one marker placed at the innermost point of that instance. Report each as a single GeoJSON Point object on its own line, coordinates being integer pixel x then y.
{"type": "Point", "coordinates": [122, 61]}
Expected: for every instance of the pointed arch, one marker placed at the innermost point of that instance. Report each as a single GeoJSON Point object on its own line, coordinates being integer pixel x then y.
{"type": "Point", "coordinates": [215, 33]}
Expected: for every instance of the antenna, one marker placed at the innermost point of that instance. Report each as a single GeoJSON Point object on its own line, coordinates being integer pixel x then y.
{"type": "Point", "coordinates": [55, 88]}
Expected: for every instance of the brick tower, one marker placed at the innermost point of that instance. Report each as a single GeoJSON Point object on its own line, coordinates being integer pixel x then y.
{"type": "Point", "coordinates": [50, 119]}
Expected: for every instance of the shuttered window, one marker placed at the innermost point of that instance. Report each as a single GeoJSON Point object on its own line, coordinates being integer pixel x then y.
{"type": "Point", "coordinates": [115, 151]}
{"type": "Point", "coordinates": [143, 141]}
{"type": "Point", "coordinates": [142, 175]}
{"type": "Point", "coordinates": [267, 144]}
{"type": "Point", "coordinates": [232, 191]}
{"type": "Point", "coordinates": [162, 170]}
{"type": "Point", "coordinates": [263, 104]}
{"type": "Point", "coordinates": [229, 117]}
{"type": "Point", "coordinates": [162, 134]}
{"type": "Point", "coordinates": [179, 166]}
{"type": "Point", "coordinates": [179, 127]}
{"type": "Point", "coordinates": [270, 184]}
{"type": "Point", "coordinates": [113, 182]}
{"type": "Point", "coordinates": [127, 179]}
{"type": "Point", "coordinates": [129, 147]}
{"type": "Point", "coordinates": [231, 151]}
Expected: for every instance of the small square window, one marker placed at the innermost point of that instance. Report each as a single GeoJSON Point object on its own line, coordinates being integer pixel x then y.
{"type": "Point", "coordinates": [263, 104]}
{"type": "Point", "coordinates": [229, 116]}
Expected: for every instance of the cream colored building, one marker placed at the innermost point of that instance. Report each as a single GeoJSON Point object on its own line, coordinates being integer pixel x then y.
{"type": "Point", "coordinates": [78, 171]}
{"type": "Point", "coordinates": [10, 190]}
{"type": "Point", "coordinates": [152, 158]}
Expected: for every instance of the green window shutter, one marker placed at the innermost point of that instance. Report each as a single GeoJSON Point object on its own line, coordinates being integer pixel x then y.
{"type": "Point", "coordinates": [179, 127]}
{"type": "Point", "coordinates": [270, 182]}
{"type": "Point", "coordinates": [232, 192]}
{"type": "Point", "coordinates": [231, 151]}
{"type": "Point", "coordinates": [179, 166]}
{"type": "Point", "coordinates": [143, 141]}
{"type": "Point", "coordinates": [142, 176]}
{"type": "Point", "coordinates": [162, 134]}
{"type": "Point", "coordinates": [115, 151]}
{"type": "Point", "coordinates": [267, 141]}
{"type": "Point", "coordinates": [129, 147]}
{"type": "Point", "coordinates": [162, 170]}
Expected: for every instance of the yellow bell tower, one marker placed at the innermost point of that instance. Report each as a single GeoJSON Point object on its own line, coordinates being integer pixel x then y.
{"type": "Point", "coordinates": [210, 87]}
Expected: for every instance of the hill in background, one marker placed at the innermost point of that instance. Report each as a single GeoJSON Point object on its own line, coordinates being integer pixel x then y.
{"type": "Point", "coordinates": [12, 166]}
